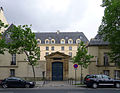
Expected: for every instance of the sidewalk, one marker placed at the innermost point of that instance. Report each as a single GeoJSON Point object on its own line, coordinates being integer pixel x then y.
{"type": "Point", "coordinates": [56, 84]}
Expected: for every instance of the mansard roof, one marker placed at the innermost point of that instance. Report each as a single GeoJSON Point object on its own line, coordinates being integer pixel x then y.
{"type": "Point", "coordinates": [57, 36]}
{"type": "Point", "coordinates": [61, 35]}
{"type": "Point", "coordinates": [98, 41]}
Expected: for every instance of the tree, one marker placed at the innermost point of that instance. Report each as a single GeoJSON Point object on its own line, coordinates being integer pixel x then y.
{"type": "Point", "coordinates": [2, 41]}
{"type": "Point", "coordinates": [110, 28]}
{"type": "Point", "coordinates": [82, 57]}
{"type": "Point", "coordinates": [22, 40]}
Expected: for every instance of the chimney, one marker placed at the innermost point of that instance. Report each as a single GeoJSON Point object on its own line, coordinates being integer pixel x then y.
{"type": "Point", "coordinates": [58, 31]}
{"type": "Point", "coordinates": [1, 8]}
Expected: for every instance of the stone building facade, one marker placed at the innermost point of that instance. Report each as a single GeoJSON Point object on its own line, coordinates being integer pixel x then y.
{"type": "Point", "coordinates": [101, 63]}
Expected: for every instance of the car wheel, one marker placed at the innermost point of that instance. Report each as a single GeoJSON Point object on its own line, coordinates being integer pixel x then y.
{"type": "Point", "coordinates": [94, 85]}
{"type": "Point", "coordinates": [4, 86]}
{"type": "Point", "coordinates": [27, 85]}
{"type": "Point", "coordinates": [117, 85]}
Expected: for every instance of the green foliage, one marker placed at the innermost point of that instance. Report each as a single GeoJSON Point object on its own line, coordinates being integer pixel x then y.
{"type": "Point", "coordinates": [110, 27]}
{"type": "Point", "coordinates": [2, 25]}
{"type": "Point", "coordinates": [23, 41]}
{"type": "Point", "coordinates": [2, 41]}
{"type": "Point", "coordinates": [82, 57]}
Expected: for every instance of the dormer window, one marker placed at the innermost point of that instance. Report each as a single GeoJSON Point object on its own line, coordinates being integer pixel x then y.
{"type": "Point", "coordinates": [70, 41]}
{"type": "Point", "coordinates": [62, 41]}
{"type": "Point", "coordinates": [46, 41]}
{"type": "Point", "coordinates": [52, 41]}
{"type": "Point", "coordinates": [38, 41]}
{"type": "Point", "coordinates": [78, 41]}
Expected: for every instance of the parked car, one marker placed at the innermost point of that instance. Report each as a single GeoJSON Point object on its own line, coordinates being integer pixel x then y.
{"type": "Point", "coordinates": [16, 82]}
{"type": "Point", "coordinates": [100, 80]}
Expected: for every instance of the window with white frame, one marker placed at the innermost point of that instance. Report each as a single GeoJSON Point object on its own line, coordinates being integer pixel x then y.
{"type": "Point", "coordinates": [46, 41]}
{"type": "Point", "coordinates": [78, 41]}
{"type": "Point", "coordinates": [52, 41]}
{"type": "Point", "coordinates": [70, 41]}
{"type": "Point", "coordinates": [62, 41]}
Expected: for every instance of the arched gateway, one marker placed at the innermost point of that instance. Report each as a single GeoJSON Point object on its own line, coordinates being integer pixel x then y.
{"type": "Point", "coordinates": [57, 66]}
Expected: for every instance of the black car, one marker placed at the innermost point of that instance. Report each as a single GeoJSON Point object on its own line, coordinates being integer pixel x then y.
{"type": "Point", "coordinates": [100, 80]}
{"type": "Point", "coordinates": [16, 82]}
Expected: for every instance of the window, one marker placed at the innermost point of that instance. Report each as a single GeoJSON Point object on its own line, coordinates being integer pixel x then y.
{"type": "Point", "coordinates": [12, 72]}
{"type": "Point", "coordinates": [62, 41]}
{"type": "Point", "coordinates": [78, 41]}
{"type": "Point", "coordinates": [47, 48]}
{"type": "Point", "coordinates": [52, 41]}
{"type": "Point", "coordinates": [70, 41]}
{"type": "Point", "coordinates": [52, 48]}
{"type": "Point", "coordinates": [70, 47]}
{"type": "Point", "coordinates": [106, 72]}
{"type": "Point", "coordinates": [117, 74]}
{"type": "Point", "coordinates": [13, 62]}
{"type": "Point", "coordinates": [46, 41]}
{"type": "Point", "coordinates": [62, 48]}
{"type": "Point", "coordinates": [106, 63]}
{"type": "Point", "coordinates": [47, 53]}
{"type": "Point", "coordinates": [38, 41]}
{"type": "Point", "coordinates": [70, 54]}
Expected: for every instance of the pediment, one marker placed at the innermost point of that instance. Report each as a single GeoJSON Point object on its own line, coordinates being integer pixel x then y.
{"type": "Point", "coordinates": [57, 55]}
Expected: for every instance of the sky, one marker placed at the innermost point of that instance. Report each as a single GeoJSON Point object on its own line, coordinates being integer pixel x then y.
{"type": "Point", "coordinates": [52, 15]}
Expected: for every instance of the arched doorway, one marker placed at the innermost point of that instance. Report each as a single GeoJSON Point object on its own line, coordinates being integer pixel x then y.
{"type": "Point", "coordinates": [57, 71]}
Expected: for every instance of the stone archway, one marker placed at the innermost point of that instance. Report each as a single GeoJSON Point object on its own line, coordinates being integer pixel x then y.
{"type": "Point", "coordinates": [61, 61]}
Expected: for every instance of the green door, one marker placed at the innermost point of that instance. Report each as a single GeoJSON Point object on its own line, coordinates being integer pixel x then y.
{"type": "Point", "coordinates": [57, 71]}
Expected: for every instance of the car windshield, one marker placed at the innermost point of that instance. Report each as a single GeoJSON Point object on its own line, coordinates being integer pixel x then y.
{"type": "Point", "coordinates": [15, 78]}
{"type": "Point", "coordinates": [90, 76]}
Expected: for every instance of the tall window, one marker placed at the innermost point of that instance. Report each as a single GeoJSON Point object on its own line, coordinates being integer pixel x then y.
{"type": "Point", "coordinates": [106, 72]}
{"type": "Point", "coordinates": [13, 62]}
{"type": "Point", "coordinates": [62, 48]}
{"type": "Point", "coordinates": [117, 74]}
{"type": "Point", "coordinates": [70, 47]}
{"type": "Point", "coordinates": [47, 48]}
{"type": "Point", "coordinates": [52, 48]}
{"type": "Point", "coordinates": [12, 72]}
{"type": "Point", "coordinates": [106, 63]}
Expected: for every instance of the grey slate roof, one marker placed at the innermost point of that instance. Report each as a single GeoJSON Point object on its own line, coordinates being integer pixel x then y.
{"type": "Point", "coordinates": [61, 35]}
{"type": "Point", "coordinates": [98, 41]}
{"type": "Point", "coordinates": [55, 35]}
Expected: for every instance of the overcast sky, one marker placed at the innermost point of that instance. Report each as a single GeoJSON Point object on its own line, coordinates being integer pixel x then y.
{"type": "Point", "coordinates": [52, 15]}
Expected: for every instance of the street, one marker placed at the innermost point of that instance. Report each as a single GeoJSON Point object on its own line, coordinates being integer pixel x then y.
{"type": "Point", "coordinates": [59, 90]}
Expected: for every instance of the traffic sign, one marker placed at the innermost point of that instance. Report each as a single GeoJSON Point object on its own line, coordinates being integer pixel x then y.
{"type": "Point", "coordinates": [75, 65]}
